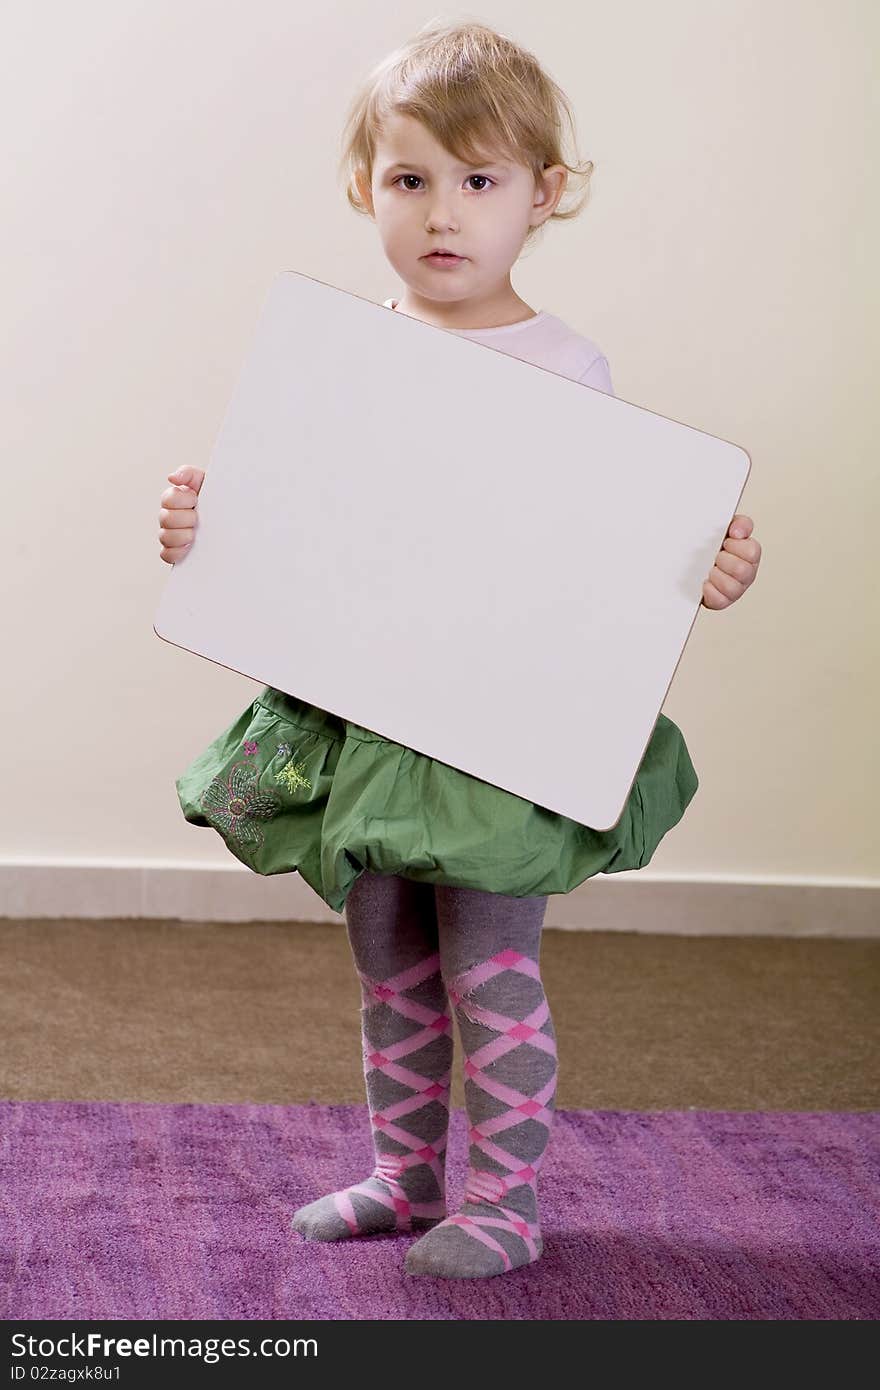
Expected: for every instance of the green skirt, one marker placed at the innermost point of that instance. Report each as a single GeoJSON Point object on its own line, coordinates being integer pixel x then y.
{"type": "Point", "coordinates": [291, 788]}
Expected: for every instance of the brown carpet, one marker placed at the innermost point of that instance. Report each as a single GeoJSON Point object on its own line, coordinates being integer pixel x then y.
{"type": "Point", "coordinates": [269, 1012]}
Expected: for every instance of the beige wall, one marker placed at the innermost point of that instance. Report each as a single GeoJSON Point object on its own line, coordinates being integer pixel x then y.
{"type": "Point", "coordinates": [162, 163]}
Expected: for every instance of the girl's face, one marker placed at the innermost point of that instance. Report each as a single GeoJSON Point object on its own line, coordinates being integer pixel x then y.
{"type": "Point", "coordinates": [423, 199]}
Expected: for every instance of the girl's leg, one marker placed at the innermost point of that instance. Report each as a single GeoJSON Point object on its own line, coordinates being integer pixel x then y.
{"type": "Point", "coordinates": [407, 1050]}
{"type": "Point", "coordinates": [489, 948]}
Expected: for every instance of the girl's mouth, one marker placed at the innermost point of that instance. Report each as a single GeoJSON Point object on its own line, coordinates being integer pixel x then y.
{"type": "Point", "coordinates": [440, 259]}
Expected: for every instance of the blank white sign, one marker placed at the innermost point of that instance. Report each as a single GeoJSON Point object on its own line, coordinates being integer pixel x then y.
{"type": "Point", "coordinates": [463, 552]}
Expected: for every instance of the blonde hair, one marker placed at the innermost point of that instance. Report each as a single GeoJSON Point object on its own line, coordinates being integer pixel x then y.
{"type": "Point", "coordinates": [478, 93]}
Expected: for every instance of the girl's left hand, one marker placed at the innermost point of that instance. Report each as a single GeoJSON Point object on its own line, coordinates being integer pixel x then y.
{"type": "Point", "coordinates": [736, 565]}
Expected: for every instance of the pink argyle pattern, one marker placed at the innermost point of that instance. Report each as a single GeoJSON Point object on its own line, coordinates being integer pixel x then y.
{"type": "Point", "coordinates": [488, 1134]}
{"type": "Point", "coordinates": [390, 1120]}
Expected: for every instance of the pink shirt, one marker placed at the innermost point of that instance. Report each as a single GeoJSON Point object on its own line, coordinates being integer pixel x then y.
{"type": "Point", "coordinates": [548, 342]}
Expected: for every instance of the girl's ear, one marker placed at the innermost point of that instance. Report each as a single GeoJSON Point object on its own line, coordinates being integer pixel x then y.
{"type": "Point", "coordinates": [551, 189]}
{"type": "Point", "coordinates": [365, 193]}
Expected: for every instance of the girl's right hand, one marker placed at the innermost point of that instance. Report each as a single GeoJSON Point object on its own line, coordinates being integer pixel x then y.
{"type": "Point", "coordinates": [177, 519]}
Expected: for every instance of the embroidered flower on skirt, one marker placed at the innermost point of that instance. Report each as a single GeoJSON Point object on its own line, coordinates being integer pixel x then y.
{"type": "Point", "coordinates": [293, 776]}
{"type": "Point", "coordinates": [234, 805]}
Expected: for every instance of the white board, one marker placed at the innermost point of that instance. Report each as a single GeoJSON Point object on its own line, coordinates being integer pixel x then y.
{"type": "Point", "coordinates": [471, 555]}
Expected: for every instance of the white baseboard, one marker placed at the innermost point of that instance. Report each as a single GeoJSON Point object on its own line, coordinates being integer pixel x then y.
{"type": "Point", "coordinates": [693, 906]}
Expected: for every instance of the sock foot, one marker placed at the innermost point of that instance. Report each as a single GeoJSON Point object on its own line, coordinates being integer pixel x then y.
{"type": "Point", "coordinates": [372, 1207]}
{"type": "Point", "coordinates": [476, 1243]}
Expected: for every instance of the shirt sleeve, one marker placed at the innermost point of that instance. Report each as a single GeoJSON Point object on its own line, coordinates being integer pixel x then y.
{"type": "Point", "coordinates": [598, 375]}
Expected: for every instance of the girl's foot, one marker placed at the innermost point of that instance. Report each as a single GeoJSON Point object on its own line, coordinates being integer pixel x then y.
{"type": "Point", "coordinates": [482, 1239]}
{"type": "Point", "coordinates": [377, 1205]}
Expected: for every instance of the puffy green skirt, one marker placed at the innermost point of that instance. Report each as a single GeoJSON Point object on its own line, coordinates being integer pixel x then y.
{"type": "Point", "coordinates": [290, 787]}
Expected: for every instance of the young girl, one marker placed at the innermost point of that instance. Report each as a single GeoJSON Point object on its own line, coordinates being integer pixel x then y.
{"type": "Point", "coordinates": [453, 150]}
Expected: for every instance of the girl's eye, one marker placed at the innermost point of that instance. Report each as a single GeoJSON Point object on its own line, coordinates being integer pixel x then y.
{"type": "Point", "coordinates": [484, 177]}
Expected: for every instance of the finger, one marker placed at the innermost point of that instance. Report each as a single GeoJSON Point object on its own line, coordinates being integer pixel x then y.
{"type": "Point", "coordinates": [741, 526]}
{"type": "Point", "coordinates": [174, 553]}
{"type": "Point", "coordinates": [725, 583]}
{"type": "Point", "coordinates": [188, 474]}
{"type": "Point", "coordinates": [748, 550]}
{"type": "Point", "coordinates": [174, 542]}
{"type": "Point", "coordinates": [713, 598]}
{"type": "Point", "coordinates": [170, 546]}
{"type": "Point", "coordinates": [179, 497]}
{"type": "Point", "coordinates": [171, 540]}
{"type": "Point", "coordinates": [735, 567]}
{"type": "Point", "coordinates": [173, 519]}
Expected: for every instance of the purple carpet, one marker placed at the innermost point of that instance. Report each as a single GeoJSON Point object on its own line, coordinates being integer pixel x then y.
{"type": "Point", "coordinates": [112, 1210]}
